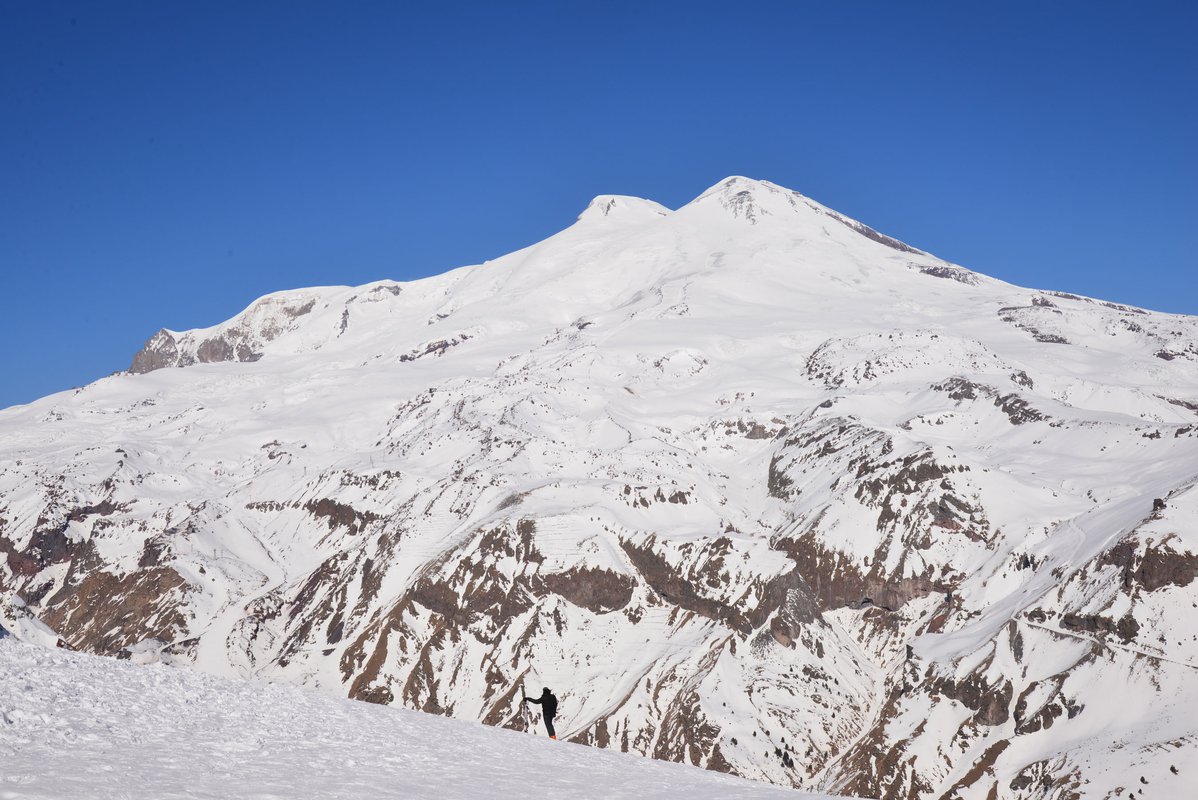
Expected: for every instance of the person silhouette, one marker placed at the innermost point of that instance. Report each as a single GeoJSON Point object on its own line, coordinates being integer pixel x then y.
{"type": "Point", "coordinates": [548, 703]}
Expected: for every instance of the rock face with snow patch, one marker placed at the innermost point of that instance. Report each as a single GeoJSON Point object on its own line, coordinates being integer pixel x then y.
{"type": "Point", "coordinates": [749, 484]}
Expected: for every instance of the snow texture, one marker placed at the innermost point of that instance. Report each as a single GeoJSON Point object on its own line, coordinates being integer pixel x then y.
{"type": "Point", "coordinates": [79, 726]}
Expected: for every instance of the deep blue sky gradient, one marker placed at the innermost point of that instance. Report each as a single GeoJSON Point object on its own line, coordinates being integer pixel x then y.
{"type": "Point", "coordinates": [164, 164]}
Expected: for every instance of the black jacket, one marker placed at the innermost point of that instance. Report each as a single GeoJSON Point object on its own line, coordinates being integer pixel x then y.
{"type": "Point", "coordinates": [548, 703]}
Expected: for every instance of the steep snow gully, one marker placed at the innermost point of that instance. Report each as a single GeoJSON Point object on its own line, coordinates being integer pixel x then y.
{"type": "Point", "coordinates": [753, 486]}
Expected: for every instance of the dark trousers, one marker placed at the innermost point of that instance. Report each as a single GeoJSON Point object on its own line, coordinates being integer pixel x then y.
{"type": "Point", "coordinates": [549, 726]}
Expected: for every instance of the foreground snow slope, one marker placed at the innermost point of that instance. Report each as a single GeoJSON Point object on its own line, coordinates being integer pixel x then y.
{"type": "Point", "coordinates": [79, 726]}
{"type": "Point", "coordinates": [749, 484]}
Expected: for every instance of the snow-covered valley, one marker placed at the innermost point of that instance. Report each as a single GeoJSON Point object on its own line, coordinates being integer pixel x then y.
{"type": "Point", "coordinates": [752, 486]}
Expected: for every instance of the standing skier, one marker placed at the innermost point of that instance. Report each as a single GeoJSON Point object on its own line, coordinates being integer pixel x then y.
{"type": "Point", "coordinates": [548, 703]}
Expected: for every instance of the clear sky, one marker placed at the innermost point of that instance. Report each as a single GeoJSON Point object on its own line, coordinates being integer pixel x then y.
{"type": "Point", "coordinates": [164, 164]}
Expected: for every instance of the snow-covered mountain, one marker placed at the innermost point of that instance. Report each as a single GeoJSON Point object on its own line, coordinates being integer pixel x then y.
{"type": "Point", "coordinates": [749, 484]}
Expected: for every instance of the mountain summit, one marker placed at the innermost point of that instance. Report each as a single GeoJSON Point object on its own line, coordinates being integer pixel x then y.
{"type": "Point", "coordinates": [749, 484]}
{"type": "Point", "coordinates": [621, 207]}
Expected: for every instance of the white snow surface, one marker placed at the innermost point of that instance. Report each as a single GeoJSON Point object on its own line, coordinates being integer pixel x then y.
{"type": "Point", "coordinates": [80, 726]}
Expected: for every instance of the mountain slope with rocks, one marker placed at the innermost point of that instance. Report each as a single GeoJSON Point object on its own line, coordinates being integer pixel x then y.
{"type": "Point", "coordinates": [751, 485]}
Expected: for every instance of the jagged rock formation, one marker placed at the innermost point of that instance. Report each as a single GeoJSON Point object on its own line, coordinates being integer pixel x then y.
{"type": "Point", "coordinates": [240, 339]}
{"type": "Point", "coordinates": [751, 485]}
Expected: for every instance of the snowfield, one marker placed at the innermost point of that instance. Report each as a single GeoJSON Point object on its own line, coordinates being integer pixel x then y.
{"type": "Point", "coordinates": [79, 726]}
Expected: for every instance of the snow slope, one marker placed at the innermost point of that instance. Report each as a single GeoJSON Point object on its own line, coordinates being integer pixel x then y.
{"type": "Point", "coordinates": [750, 485]}
{"type": "Point", "coordinates": [78, 726]}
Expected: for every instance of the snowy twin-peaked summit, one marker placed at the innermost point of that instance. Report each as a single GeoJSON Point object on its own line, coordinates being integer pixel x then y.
{"type": "Point", "coordinates": [748, 483]}
{"type": "Point", "coordinates": [736, 197]}
{"type": "Point", "coordinates": [620, 248]}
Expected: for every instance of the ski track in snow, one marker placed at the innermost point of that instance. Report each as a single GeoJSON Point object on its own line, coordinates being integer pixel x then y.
{"type": "Point", "coordinates": [80, 726]}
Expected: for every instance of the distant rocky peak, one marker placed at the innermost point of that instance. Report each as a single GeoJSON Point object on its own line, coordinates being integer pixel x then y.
{"type": "Point", "coordinates": [753, 201]}
{"type": "Point", "coordinates": [622, 207]}
{"type": "Point", "coordinates": [239, 339]}
{"type": "Point", "coordinates": [742, 197]}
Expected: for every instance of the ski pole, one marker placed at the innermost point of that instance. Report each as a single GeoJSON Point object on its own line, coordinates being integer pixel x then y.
{"type": "Point", "coordinates": [524, 710]}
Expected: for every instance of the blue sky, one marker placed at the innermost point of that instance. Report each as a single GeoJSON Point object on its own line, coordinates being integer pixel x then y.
{"type": "Point", "coordinates": [163, 164]}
